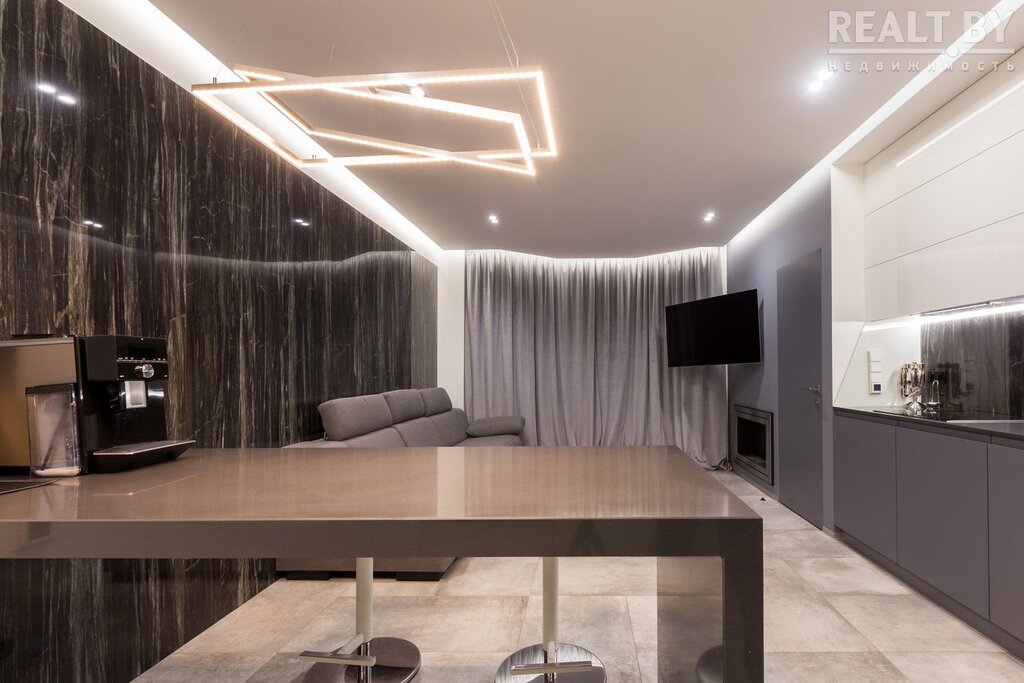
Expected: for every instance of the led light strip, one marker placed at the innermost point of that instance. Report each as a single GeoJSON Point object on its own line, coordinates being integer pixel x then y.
{"type": "Point", "coordinates": [269, 82]}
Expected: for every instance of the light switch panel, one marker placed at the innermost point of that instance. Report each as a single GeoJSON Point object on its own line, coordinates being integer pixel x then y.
{"type": "Point", "coordinates": [875, 371]}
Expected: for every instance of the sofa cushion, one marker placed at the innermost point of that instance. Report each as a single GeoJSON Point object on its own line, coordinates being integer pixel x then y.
{"type": "Point", "coordinates": [499, 440]}
{"type": "Point", "coordinates": [494, 426]}
{"type": "Point", "coordinates": [405, 404]}
{"type": "Point", "coordinates": [345, 418]}
{"type": "Point", "coordinates": [436, 400]}
{"type": "Point", "coordinates": [420, 432]}
{"type": "Point", "coordinates": [382, 438]}
{"type": "Point", "coordinates": [451, 426]}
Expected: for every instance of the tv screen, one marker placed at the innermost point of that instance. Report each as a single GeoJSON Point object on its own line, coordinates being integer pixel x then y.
{"type": "Point", "coordinates": [715, 331]}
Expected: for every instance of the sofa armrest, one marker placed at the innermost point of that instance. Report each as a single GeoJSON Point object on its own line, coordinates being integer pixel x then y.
{"type": "Point", "coordinates": [496, 426]}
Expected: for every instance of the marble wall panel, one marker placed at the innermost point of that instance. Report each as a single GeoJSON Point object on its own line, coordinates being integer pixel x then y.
{"type": "Point", "coordinates": [265, 318]}
{"type": "Point", "coordinates": [982, 361]}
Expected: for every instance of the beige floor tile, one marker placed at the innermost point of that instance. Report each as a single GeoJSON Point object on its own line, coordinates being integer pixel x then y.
{"type": "Point", "coordinates": [453, 624]}
{"type": "Point", "coordinates": [490, 576]}
{"type": "Point", "coordinates": [390, 588]}
{"type": "Point", "coordinates": [777, 517]}
{"type": "Point", "coordinates": [604, 576]}
{"type": "Point", "coordinates": [839, 575]}
{"type": "Point", "coordinates": [460, 668]}
{"type": "Point", "coordinates": [690, 576]}
{"type": "Point", "coordinates": [958, 667]}
{"type": "Point", "coordinates": [268, 621]}
{"type": "Point", "coordinates": [799, 620]}
{"type": "Point", "coordinates": [598, 623]}
{"type": "Point", "coordinates": [909, 623]}
{"type": "Point", "coordinates": [800, 544]}
{"type": "Point", "coordinates": [829, 667]}
{"type": "Point", "coordinates": [185, 668]}
{"type": "Point", "coordinates": [643, 616]}
{"type": "Point", "coordinates": [736, 484]}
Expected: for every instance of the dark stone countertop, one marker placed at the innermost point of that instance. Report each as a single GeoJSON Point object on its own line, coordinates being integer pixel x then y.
{"type": "Point", "coordinates": [980, 423]}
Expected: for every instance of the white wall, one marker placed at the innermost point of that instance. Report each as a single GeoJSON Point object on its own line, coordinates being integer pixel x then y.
{"type": "Point", "coordinates": [943, 207]}
{"type": "Point", "coordinates": [897, 344]}
{"type": "Point", "coordinates": [451, 324]}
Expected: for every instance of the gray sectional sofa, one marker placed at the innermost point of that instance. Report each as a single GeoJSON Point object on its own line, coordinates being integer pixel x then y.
{"type": "Point", "coordinates": [403, 418]}
{"type": "Point", "coordinates": [408, 417]}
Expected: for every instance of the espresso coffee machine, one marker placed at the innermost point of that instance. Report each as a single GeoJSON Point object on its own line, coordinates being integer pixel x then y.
{"type": "Point", "coordinates": [122, 382]}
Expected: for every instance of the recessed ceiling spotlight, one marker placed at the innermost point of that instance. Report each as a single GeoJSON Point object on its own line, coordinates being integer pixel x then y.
{"type": "Point", "coordinates": [416, 90]}
{"type": "Point", "coordinates": [815, 86]}
{"type": "Point", "coordinates": [66, 99]}
{"type": "Point", "coordinates": [825, 74]}
{"type": "Point", "coordinates": [493, 219]}
{"type": "Point", "coordinates": [46, 88]}
{"type": "Point", "coordinates": [709, 216]}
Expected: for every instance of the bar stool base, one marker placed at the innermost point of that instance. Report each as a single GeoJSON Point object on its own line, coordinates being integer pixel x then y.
{"type": "Point", "coordinates": [398, 661]}
{"type": "Point", "coordinates": [566, 653]}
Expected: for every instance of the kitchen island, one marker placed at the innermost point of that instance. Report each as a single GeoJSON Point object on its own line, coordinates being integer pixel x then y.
{"type": "Point", "coordinates": [526, 501]}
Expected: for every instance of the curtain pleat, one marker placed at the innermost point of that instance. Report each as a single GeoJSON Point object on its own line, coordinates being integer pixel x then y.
{"type": "Point", "coordinates": [577, 346]}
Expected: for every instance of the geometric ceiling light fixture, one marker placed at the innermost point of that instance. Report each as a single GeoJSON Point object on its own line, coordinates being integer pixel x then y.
{"type": "Point", "coordinates": [402, 89]}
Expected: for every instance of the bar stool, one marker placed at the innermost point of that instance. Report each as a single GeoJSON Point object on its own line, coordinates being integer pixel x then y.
{"type": "Point", "coordinates": [365, 658]}
{"type": "Point", "coordinates": [550, 660]}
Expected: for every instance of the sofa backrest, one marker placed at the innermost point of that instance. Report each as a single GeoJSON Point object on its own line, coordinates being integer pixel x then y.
{"type": "Point", "coordinates": [345, 418]}
{"type": "Point", "coordinates": [405, 405]}
{"type": "Point", "coordinates": [406, 417]}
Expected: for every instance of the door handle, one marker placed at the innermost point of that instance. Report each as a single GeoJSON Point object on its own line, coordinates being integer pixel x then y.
{"type": "Point", "coordinates": [815, 389]}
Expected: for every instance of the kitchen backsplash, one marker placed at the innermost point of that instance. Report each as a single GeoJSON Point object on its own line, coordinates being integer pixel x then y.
{"type": "Point", "coordinates": [981, 359]}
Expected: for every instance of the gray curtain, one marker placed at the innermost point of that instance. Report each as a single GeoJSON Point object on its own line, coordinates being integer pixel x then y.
{"type": "Point", "coordinates": [577, 346]}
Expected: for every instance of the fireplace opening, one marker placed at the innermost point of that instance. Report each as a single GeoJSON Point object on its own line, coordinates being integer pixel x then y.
{"type": "Point", "coordinates": [751, 442]}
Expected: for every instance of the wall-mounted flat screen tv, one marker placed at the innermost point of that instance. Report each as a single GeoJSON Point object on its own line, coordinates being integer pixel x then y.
{"type": "Point", "coordinates": [719, 330]}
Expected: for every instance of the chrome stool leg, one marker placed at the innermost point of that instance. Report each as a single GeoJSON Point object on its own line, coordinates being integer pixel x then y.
{"type": "Point", "coordinates": [364, 658]}
{"type": "Point", "coordinates": [551, 661]}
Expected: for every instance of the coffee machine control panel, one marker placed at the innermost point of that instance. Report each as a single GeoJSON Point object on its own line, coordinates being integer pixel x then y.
{"type": "Point", "coordinates": [120, 358]}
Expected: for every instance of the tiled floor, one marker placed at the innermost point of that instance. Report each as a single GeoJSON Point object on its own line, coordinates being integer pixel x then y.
{"type": "Point", "coordinates": [830, 615]}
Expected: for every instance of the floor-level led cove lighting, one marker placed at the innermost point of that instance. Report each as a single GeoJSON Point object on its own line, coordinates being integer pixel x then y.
{"type": "Point", "coordinates": [46, 88]}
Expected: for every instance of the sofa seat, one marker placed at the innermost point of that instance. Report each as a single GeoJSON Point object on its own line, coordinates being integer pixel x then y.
{"type": "Point", "coordinates": [498, 440]}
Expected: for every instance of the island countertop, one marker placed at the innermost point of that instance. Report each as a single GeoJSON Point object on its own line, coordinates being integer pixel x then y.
{"type": "Point", "coordinates": [382, 502]}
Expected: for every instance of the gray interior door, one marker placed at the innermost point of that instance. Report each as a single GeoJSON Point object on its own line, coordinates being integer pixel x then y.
{"type": "Point", "coordinates": [799, 428]}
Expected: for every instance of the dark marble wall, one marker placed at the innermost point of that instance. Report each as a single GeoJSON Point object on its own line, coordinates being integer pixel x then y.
{"type": "Point", "coordinates": [265, 318]}
{"type": "Point", "coordinates": [978, 361]}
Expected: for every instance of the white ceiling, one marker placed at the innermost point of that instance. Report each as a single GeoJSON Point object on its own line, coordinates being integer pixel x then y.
{"type": "Point", "coordinates": [663, 110]}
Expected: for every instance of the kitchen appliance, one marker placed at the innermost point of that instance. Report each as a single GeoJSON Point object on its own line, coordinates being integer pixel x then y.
{"type": "Point", "coordinates": [81, 404]}
{"type": "Point", "coordinates": [24, 365]}
{"type": "Point", "coordinates": [122, 389]}
{"type": "Point", "coordinates": [912, 383]}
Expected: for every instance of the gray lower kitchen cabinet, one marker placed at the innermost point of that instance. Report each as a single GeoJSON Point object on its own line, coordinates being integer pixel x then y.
{"type": "Point", "coordinates": [865, 482]}
{"type": "Point", "coordinates": [1006, 537]}
{"type": "Point", "coordinates": [942, 520]}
